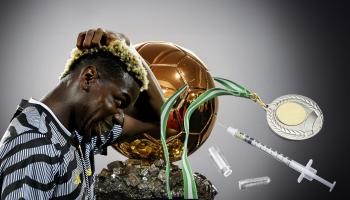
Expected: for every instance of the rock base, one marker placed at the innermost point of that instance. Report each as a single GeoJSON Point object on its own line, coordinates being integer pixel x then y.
{"type": "Point", "coordinates": [136, 179]}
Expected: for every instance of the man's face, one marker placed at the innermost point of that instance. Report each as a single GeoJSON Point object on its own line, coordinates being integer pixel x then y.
{"type": "Point", "coordinates": [104, 103]}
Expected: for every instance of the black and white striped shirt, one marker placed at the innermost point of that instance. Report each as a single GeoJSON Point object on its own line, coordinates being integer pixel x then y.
{"type": "Point", "coordinates": [41, 159]}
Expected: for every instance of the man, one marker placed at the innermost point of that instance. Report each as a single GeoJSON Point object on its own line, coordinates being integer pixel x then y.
{"type": "Point", "coordinates": [48, 149]}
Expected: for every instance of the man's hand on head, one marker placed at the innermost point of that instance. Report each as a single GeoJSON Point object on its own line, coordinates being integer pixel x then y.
{"type": "Point", "coordinates": [144, 115]}
{"type": "Point", "coordinates": [98, 37]}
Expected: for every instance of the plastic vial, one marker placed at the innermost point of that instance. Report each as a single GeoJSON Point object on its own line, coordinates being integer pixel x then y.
{"type": "Point", "coordinates": [220, 161]}
{"type": "Point", "coordinates": [251, 182]}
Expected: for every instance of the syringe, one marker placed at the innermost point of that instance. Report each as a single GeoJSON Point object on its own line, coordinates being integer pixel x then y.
{"type": "Point", "coordinates": [306, 171]}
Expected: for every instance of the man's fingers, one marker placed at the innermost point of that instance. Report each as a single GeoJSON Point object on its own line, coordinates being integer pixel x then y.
{"type": "Point", "coordinates": [88, 38]}
{"type": "Point", "coordinates": [98, 37]}
{"type": "Point", "coordinates": [80, 40]}
{"type": "Point", "coordinates": [110, 37]}
{"type": "Point", "coordinates": [96, 40]}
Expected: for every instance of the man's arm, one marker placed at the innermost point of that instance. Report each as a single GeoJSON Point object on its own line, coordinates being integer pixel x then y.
{"type": "Point", "coordinates": [132, 125]}
{"type": "Point", "coordinates": [145, 114]}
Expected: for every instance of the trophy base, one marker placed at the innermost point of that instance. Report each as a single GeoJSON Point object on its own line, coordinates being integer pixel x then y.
{"type": "Point", "coordinates": [138, 179]}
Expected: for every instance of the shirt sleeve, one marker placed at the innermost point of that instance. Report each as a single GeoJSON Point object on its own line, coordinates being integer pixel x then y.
{"type": "Point", "coordinates": [28, 166]}
{"type": "Point", "coordinates": [101, 142]}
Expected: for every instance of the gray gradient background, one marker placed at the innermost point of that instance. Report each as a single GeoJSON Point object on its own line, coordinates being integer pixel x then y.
{"type": "Point", "coordinates": [270, 47]}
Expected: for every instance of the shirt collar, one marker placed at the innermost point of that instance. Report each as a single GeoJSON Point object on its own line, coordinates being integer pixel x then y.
{"type": "Point", "coordinates": [33, 101]}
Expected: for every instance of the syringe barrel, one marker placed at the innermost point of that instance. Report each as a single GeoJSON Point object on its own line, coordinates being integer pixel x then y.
{"type": "Point", "coordinates": [255, 143]}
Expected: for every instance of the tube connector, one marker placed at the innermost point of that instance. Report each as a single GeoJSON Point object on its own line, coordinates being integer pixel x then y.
{"type": "Point", "coordinates": [232, 131]}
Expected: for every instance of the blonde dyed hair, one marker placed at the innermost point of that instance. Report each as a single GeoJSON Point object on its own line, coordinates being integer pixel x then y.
{"type": "Point", "coordinates": [126, 53]}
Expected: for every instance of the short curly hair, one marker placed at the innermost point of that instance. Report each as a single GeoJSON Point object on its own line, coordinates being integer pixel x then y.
{"type": "Point", "coordinates": [127, 54]}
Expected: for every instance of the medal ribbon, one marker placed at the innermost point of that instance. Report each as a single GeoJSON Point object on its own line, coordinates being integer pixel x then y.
{"type": "Point", "coordinates": [165, 110]}
{"type": "Point", "coordinates": [230, 88]}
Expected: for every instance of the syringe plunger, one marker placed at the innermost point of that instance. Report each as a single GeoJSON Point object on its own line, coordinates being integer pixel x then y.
{"type": "Point", "coordinates": [309, 173]}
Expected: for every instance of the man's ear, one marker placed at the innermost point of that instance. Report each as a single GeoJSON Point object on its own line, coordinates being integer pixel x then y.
{"type": "Point", "coordinates": [87, 77]}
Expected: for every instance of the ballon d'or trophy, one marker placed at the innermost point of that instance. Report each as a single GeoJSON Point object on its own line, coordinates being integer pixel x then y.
{"type": "Point", "coordinates": [143, 175]}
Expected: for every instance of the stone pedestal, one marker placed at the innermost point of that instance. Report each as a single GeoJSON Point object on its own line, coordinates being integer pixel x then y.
{"type": "Point", "coordinates": [136, 179]}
